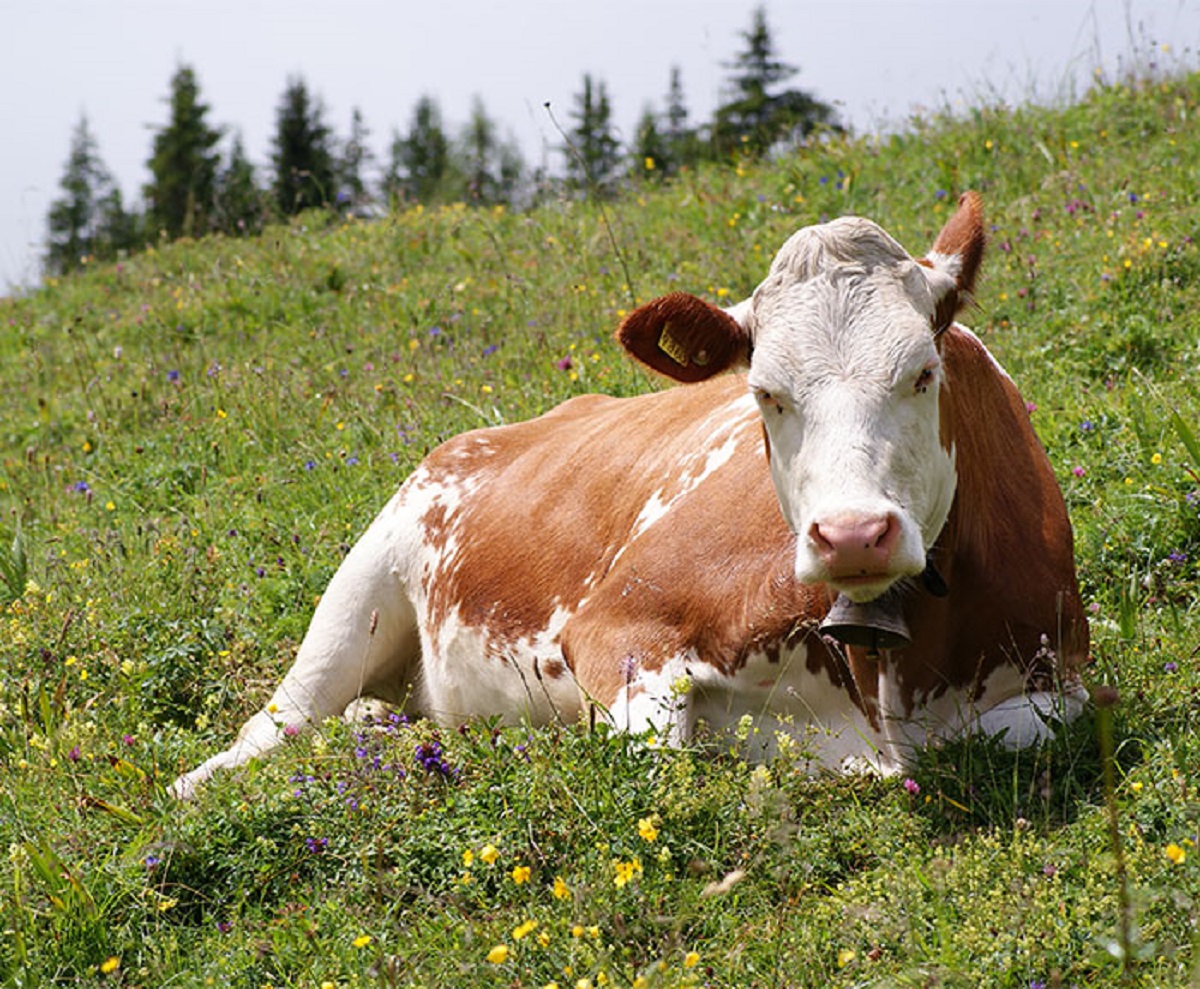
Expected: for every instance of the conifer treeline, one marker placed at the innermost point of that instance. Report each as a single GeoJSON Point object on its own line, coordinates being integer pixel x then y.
{"type": "Point", "coordinates": [194, 189]}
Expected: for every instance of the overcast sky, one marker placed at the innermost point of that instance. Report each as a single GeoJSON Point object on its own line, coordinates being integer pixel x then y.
{"type": "Point", "coordinates": [877, 61]}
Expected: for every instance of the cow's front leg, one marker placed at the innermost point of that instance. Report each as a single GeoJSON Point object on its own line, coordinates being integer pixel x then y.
{"type": "Point", "coordinates": [656, 700]}
{"type": "Point", "coordinates": [362, 640]}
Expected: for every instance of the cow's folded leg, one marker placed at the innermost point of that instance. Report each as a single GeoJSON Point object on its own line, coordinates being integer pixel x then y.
{"type": "Point", "coordinates": [362, 640]}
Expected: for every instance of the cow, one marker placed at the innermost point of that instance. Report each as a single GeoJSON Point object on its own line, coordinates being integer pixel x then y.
{"type": "Point", "coordinates": [670, 560]}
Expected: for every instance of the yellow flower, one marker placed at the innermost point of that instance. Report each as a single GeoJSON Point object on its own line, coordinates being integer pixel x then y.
{"type": "Point", "coordinates": [1176, 854]}
{"type": "Point", "coordinates": [468, 857]}
{"type": "Point", "coordinates": [577, 930]}
{"type": "Point", "coordinates": [498, 955]}
{"type": "Point", "coordinates": [489, 853]}
{"type": "Point", "coordinates": [362, 940]}
{"type": "Point", "coordinates": [626, 871]}
{"type": "Point", "coordinates": [521, 930]}
{"type": "Point", "coordinates": [520, 874]}
{"type": "Point", "coordinates": [110, 965]}
{"type": "Point", "coordinates": [649, 163]}
{"type": "Point", "coordinates": [1156, 459]}
{"type": "Point", "coordinates": [647, 828]}
{"type": "Point", "coordinates": [641, 983]}
{"type": "Point", "coordinates": [561, 889]}
{"type": "Point", "coordinates": [845, 957]}
{"type": "Point", "coordinates": [691, 959]}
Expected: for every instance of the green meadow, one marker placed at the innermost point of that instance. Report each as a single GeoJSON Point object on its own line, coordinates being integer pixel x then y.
{"type": "Point", "coordinates": [192, 438]}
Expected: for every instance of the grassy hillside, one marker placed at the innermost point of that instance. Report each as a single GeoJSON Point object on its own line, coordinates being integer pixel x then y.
{"type": "Point", "coordinates": [191, 440]}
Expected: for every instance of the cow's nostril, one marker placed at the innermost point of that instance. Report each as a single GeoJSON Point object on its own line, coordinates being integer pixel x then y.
{"type": "Point", "coordinates": [861, 544]}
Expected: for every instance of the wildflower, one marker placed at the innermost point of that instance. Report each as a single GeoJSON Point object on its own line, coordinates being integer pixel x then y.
{"type": "Point", "coordinates": [520, 874]}
{"type": "Point", "coordinates": [1156, 459]}
{"type": "Point", "coordinates": [524, 929]}
{"type": "Point", "coordinates": [564, 364]}
{"type": "Point", "coordinates": [498, 955]}
{"type": "Point", "coordinates": [1176, 854]}
{"type": "Point", "coordinates": [362, 940]}
{"type": "Point", "coordinates": [626, 871]}
{"type": "Point", "coordinates": [1078, 471]}
{"type": "Point", "coordinates": [172, 375]}
{"type": "Point", "coordinates": [1170, 667]}
{"type": "Point", "coordinates": [489, 853]}
{"type": "Point", "coordinates": [110, 965]}
{"type": "Point", "coordinates": [845, 957]}
{"type": "Point", "coordinates": [691, 959]}
{"type": "Point", "coordinates": [468, 857]}
{"type": "Point", "coordinates": [561, 889]}
{"type": "Point", "coordinates": [649, 164]}
{"type": "Point", "coordinates": [912, 786]}
{"type": "Point", "coordinates": [647, 829]}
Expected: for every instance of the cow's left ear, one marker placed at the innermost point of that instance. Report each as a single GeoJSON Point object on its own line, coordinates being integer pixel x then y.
{"type": "Point", "coordinates": [684, 337]}
{"type": "Point", "coordinates": [957, 252]}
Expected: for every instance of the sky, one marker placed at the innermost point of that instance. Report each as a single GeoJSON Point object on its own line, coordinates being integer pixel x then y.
{"type": "Point", "coordinates": [877, 61]}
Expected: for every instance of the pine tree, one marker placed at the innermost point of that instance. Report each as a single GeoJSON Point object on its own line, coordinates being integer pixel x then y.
{"type": "Point", "coordinates": [421, 166]}
{"type": "Point", "coordinates": [651, 156]}
{"type": "Point", "coordinates": [491, 169]}
{"type": "Point", "coordinates": [302, 155]}
{"type": "Point", "coordinates": [355, 156]}
{"type": "Point", "coordinates": [118, 230]}
{"type": "Point", "coordinates": [241, 206]}
{"type": "Point", "coordinates": [184, 163]}
{"type": "Point", "coordinates": [75, 220]}
{"type": "Point", "coordinates": [682, 141]}
{"type": "Point", "coordinates": [755, 120]}
{"type": "Point", "coordinates": [593, 154]}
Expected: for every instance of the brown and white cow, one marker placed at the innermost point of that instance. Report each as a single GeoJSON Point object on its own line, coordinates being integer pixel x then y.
{"type": "Point", "coordinates": [665, 561]}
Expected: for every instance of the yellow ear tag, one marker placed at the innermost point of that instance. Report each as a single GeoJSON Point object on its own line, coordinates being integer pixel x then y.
{"type": "Point", "coordinates": [672, 347]}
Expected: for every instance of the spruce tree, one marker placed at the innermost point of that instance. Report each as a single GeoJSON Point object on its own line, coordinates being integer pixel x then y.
{"type": "Point", "coordinates": [682, 141]}
{"type": "Point", "coordinates": [755, 119]}
{"type": "Point", "coordinates": [302, 154]}
{"type": "Point", "coordinates": [421, 166]}
{"type": "Point", "coordinates": [355, 156]}
{"type": "Point", "coordinates": [593, 152]}
{"type": "Point", "coordinates": [72, 220]}
{"type": "Point", "coordinates": [651, 155]}
{"type": "Point", "coordinates": [183, 165]}
{"type": "Point", "coordinates": [490, 168]}
{"type": "Point", "coordinates": [241, 207]}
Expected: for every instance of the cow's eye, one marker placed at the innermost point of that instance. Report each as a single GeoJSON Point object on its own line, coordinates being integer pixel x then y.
{"type": "Point", "coordinates": [924, 380]}
{"type": "Point", "coordinates": [767, 401]}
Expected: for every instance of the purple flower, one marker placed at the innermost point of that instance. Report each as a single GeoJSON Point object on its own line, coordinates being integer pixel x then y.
{"type": "Point", "coordinates": [564, 364]}
{"type": "Point", "coordinates": [1078, 471]}
{"type": "Point", "coordinates": [128, 739]}
{"type": "Point", "coordinates": [316, 845]}
{"type": "Point", "coordinates": [172, 375]}
{"type": "Point", "coordinates": [1170, 667]}
{"type": "Point", "coordinates": [151, 861]}
{"type": "Point", "coordinates": [81, 486]}
{"type": "Point", "coordinates": [352, 461]}
{"type": "Point", "coordinates": [491, 349]}
{"type": "Point", "coordinates": [912, 786]}
{"type": "Point", "coordinates": [310, 465]}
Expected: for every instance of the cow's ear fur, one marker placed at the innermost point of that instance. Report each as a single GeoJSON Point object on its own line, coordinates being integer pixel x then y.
{"type": "Point", "coordinates": [957, 252]}
{"type": "Point", "coordinates": [684, 337]}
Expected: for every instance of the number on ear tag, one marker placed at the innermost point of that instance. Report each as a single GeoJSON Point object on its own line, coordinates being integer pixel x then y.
{"type": "Point", "coordinates": [672, 347]}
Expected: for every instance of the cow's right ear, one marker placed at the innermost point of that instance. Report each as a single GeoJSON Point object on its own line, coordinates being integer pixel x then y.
{"type": "Point", "coordinates": [684, 337]}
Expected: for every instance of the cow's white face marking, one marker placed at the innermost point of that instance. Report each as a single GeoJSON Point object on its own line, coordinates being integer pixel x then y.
{"type": "Point", "coordinates": [846, 371]}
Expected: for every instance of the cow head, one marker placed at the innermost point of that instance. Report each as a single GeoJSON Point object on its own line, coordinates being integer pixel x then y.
{"type": "Point", "coordinates": [842, 343]}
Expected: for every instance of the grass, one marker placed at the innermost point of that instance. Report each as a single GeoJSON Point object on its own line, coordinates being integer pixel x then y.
{"type": "Point", "coordinates": [191, 440]}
